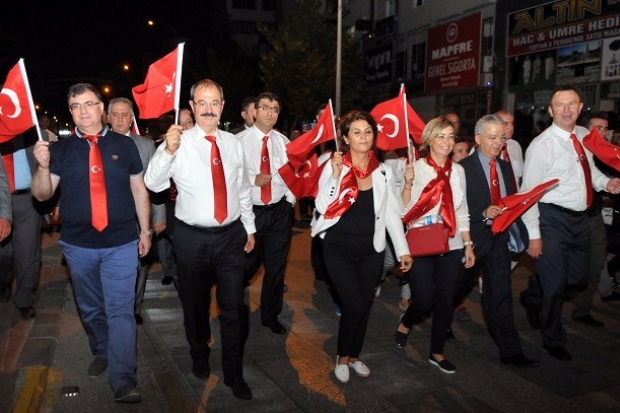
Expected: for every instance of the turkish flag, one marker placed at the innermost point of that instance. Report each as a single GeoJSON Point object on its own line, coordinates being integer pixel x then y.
{"type": "Point", "coordinates": [516, 204]}
{"type": "Point", "coordinates": [303, 181]}
{"type": "Point", "coordinates": [324, 130]}
{"type": "Point", "coordinates": [16, 107]}
{"type": "Point", "coordinates": [158, 94]}
{"type": "Point", "coordinates": [415, 123]}
{"type": "Point", "coordinates": [602, 149]}
{"type": "Point", "coordinates": [391, 124]}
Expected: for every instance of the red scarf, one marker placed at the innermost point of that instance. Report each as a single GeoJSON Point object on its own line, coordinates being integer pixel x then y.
{"type": "Point", "coordinates": [437, 188]}
{"type": "Point", "coordinates": [348, 185]}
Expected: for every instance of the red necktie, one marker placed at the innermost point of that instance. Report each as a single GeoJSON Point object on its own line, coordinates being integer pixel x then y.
{"type": "Point", "coordinates": [586, 168]}
{"type": "Point", "coordinates": [494, 184]}
{"type": "Point", "coordinates": [219, 181]}
{"type": "Point", "coordinates": [506, 157]}
{"type": "Point", "coordinates": [265, 168]}
{"type": "Point", "coordinates": [98, 197]}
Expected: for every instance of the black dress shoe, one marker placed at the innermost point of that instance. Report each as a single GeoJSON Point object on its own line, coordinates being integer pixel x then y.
{"type": "Point", "coordinates": [27, 313]}
{"type": "Point", "coordinates": [519, 360]}
{"type": "Point", "coordinates": [240, 388]}
{"type": "Point", "coordinates": [276, 327]}
{"type": "Point", "coordinates": [5, 292]}
{"type": "Point", "coordinates": [533, 314]}
{"type": "Point", "coordinates": [558, 352]}
{"type": "Point", "coordinates": [613, 297]}
{"type": "Point", "coordinates": [201, 369]}
{"type": "Point", "coordinates": [589, 320]}
{"type": "Point", "coordinates": [166, 280]}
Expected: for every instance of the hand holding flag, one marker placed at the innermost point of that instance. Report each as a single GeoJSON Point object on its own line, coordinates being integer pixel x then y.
{"type": "Point", "coordinates": [516, 204]}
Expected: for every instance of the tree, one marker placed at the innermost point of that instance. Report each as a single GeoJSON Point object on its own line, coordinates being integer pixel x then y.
{"type": "Point", "coordinates": [301, 64]}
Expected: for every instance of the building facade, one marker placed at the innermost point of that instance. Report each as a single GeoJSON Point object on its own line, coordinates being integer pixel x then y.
{"type": "Point", "coordinates": [473, 57]}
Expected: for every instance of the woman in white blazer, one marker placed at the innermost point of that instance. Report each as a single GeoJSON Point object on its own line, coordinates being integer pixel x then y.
{"type": "Point", "coordinates": [435, 187]}
{"type": "Point", "coordinates": [357, 205]}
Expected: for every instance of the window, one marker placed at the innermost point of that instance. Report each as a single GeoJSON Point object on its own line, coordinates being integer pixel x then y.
{"type": "Point", "coordinates": [418, 60]}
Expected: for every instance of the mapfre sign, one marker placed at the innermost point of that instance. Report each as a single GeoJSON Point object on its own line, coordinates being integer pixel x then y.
{"type": "Point", "coordinates": [453, 54]}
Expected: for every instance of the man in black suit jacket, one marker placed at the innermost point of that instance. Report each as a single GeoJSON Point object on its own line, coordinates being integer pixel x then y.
{"type": "Point", "coordinates": [492, 253]}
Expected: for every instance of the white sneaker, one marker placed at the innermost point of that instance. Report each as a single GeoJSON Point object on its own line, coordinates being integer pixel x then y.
{"type": "Point", "coordinates": [360, 368]}
{"type": "Point", "coordinates": [342, 372]}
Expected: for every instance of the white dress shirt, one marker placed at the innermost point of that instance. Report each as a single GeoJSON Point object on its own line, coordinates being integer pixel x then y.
{"type": "Point", "coordinates": [424, 173]}
{"type": "Point", "coordinates": [252, 142]}
{"type": "Point", "coordinates": [190, 167]}
{"type": "Point", "coordinates": [552, 155]}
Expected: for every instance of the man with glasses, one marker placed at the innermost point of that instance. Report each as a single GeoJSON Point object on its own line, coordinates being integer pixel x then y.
{"type": "Point", "coordinates": [99, 173]}
{"type": "Point", "coordinates": [214, 228]}
{"type": "Point", "coordinates": [492, 254]}
{"type": "Point", "coordinates": [265, 152]}
{"type": "Point", "coordinates": [558, 225]}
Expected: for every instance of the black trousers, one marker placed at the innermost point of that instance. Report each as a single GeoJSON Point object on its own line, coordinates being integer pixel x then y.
{"type": "Point", "coordinates": [433, 281]}
{"type": "Point", "coordinates": [20, 253]}
{"type": "Point", "coordinates": [274, 229]}
{"type": "Point", "coordinates": [354, 277]}
{"type": "Point", "coordinates": [493, 259]}
{"type": "Point", "coordinates": [201, 255]}
{"type": "Point", "coordinates": [563, 264]}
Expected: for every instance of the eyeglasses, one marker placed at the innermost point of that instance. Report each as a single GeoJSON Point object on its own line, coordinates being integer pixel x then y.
{"type": "Point", "coordinates": [496, 139]}
{"type": "Point", "coordinates": [266, 108]}
{"type": "Point", "coordinates": [74, 107]}
{"type": "Point", "coordinates": [203, 104]}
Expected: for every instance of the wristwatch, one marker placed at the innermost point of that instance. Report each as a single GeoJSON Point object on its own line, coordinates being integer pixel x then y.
{"type": "Point", "coordinates": [146, 232]}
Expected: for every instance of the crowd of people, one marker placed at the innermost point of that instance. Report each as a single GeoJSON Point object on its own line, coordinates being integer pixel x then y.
{"type": "Point", "coordinates": [215, 208]}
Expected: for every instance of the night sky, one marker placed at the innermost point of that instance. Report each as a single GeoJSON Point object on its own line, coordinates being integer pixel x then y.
{"type": "Point", "coordinates": [62, 41]}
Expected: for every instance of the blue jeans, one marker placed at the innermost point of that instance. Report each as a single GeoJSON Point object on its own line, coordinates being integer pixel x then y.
{"type": "Point", "coordinates": [104, 280]}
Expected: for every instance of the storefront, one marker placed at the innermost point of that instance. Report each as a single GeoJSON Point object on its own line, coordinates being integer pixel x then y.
{"type": "Point", "coordinates": [567, 42]}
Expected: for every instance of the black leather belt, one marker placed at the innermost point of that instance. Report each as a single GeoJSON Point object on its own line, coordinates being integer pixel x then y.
{"type": "Point", "coordinates": [210, 230]}
{"type": "Point", "coordinates": [270, 206]}
{"type": "Point", "coordinates": [21, 191]}
{"type": "Point", "coordinates": [566, 210]}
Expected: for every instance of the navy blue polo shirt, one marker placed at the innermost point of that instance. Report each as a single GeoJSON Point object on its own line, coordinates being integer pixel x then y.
{"type": "Point", "coordinates": [69, 161]}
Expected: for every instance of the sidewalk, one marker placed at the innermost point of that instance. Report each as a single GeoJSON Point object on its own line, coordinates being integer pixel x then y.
{"type": "Point", "coordinates": [294, 372]}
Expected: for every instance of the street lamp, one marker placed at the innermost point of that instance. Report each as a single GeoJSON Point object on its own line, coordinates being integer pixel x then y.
{"type": "Point", "coordinates": [152, 23]}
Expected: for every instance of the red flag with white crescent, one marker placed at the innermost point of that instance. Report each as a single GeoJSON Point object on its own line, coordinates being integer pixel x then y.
{"type": "Point", "coordinates": [16, 107]}
{"type": "Point", "coordinates": [391, 124]}
{"type": "Point", "coordinates": [160, 92]}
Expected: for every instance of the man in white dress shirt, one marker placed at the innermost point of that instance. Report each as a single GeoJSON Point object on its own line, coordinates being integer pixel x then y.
{"type": "Point", "coordinates": [273, 206]}
{"type": "Point", "coordinates": [558, 225]}
{"type": "Point", "coordinates": [207, 244]}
